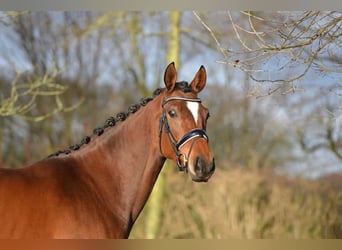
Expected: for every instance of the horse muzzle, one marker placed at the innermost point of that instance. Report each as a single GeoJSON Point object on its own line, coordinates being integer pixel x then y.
{"type": "Point", "coordinates": [200, 170]}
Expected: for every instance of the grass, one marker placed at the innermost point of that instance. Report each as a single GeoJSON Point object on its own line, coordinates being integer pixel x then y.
{"type": "Point", "coordinates": [244, 204]}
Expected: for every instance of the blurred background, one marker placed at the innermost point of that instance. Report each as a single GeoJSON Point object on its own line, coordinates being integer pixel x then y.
{"type": "Point", "coordinates": [274, 91]}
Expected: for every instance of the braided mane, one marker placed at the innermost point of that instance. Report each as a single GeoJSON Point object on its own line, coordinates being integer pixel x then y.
{"type": "Point", "coordinates": [111, 121]}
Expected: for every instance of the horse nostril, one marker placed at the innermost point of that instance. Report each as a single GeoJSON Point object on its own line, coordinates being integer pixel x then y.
{"type": "Point", "coordinates": [212, 166]}
{"type": "Point", "coordinates": [201, 168]}
{"type": "Point", "coordinates": [199, 165]}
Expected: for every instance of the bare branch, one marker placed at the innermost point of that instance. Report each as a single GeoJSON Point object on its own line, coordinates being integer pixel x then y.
{"type": "Point", "coordinates": [7, 18]}
{"type": "Point", "coordinates": [269, 45]}
{"type": "Point", "coordinates": [212, 35]}
{"type": "Point", "coordinates": [23, 96]}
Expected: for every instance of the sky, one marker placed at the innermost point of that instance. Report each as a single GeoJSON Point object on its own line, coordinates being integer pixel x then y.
{"type": "Point", "coordinates": [312, 84]}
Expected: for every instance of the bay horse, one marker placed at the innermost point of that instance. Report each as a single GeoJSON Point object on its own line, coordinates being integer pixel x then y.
{"type": "Point", "coordinates": [97, 188]}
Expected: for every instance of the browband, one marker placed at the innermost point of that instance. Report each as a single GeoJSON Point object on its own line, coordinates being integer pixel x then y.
{"type": "Point", "coordinates": [172, 98]}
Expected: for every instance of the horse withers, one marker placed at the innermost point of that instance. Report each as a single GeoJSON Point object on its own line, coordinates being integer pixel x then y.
{"type": "Point", "coordinates": [97, 188]}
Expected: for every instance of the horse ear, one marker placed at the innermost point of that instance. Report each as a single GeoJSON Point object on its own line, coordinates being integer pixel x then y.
{"type": "Point", "coordinates": [198, 83]}
{"type": "Point", "coordinates": [170, 77]}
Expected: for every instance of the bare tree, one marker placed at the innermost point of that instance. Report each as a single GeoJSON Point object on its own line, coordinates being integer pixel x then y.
{"type": "Point", "coordinates": [21, 94]}
{"type": "Point", "coordinates": [23, 97]}
{"type": "Point", "coordinates": [269, 45]}
{"type": "Point", "coordinates": [284, 52]}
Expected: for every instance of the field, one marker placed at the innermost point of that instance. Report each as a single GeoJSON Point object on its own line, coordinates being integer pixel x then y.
{"type": "Point", "coordinates": [244, 204]}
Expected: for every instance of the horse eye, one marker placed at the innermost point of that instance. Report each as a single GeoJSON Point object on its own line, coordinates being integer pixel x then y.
{"type": "Point", "coordinates": [172, 113]}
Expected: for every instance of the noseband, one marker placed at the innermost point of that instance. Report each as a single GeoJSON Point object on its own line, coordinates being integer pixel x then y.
{"type": "Point", "coordinates": [192, 134]}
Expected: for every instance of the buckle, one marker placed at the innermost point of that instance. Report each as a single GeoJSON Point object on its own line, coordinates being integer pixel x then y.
{"type": "Point", "coordinates": [179, 164]}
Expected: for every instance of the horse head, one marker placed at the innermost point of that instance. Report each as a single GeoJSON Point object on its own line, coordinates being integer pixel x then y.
{"type": "Point", "coordinates": [183, 136]}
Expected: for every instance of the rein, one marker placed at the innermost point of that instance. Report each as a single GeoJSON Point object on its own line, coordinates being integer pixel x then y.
{"type": "Point", "coordinates": [176, 145]}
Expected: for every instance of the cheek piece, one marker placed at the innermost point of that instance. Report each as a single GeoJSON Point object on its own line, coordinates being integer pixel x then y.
{"type": "Point", "coordinates": [176, 145]}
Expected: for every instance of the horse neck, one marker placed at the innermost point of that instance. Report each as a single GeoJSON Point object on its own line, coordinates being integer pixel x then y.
{"type": "Point", "coordinates": [124, 162]}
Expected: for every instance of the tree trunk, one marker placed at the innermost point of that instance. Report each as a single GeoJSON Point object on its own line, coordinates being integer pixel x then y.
{"type": "Point", "coordinates": [155, 205]}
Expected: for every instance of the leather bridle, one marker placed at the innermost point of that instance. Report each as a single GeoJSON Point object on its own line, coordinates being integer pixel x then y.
{"type": "Point", "coordinates": [176, 145]}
